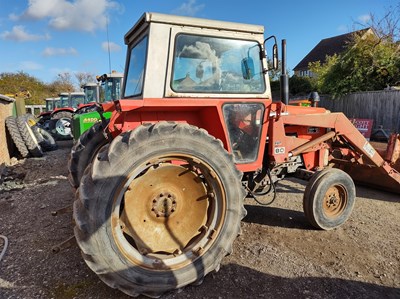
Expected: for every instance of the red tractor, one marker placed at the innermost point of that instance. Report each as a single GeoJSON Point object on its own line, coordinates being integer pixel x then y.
{"type": "Point", "coordinates": [59, 111]}
{"type": "Point", "coordinates": [161, 185]}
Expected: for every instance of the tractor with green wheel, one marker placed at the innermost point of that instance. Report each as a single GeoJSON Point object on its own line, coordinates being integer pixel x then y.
{"type": "Point", "coordinates": [87, 115]}
{"type": "Point", "coordinates": [161, 183]}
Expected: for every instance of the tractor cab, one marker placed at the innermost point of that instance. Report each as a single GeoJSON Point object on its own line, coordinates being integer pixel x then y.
{"type": "Point", "coordinates": [92, 93]}
{"type": "Point", "coordinates": [71, 100]}
{"type": "Point", "coordinates": [215, 71]}
{"type": "Point", "coordinates": [111, 85]}
{"type": "Point", "coordinates": [52, 104]}
{"type": "Point", "coordinates": [109, 90]}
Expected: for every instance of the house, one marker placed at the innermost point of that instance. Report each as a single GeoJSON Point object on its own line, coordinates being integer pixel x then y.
{"type": "Point", "coordinates": [327, 47]}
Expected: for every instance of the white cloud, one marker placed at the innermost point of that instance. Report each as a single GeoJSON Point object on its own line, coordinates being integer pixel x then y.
{"type": "Point", "coordinates": [59, 51]}
{"type": "Point", "coordinates": [13, 17]}
{"type": "Point", "coordinates": [113, 47]}
{"type": "Point", "coordinates": [81, 15]}
{"type": "Point", "coordinates": [19, 34]}
{"type": "Point", "coordinates": [30, 66]}
{"type": "Point", "coordinates": [364, 18]}
{"type": "Point", "coordinates": [189, 8]}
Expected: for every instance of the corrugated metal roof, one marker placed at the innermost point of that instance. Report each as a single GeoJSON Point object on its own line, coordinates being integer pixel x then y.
{"type": "Point", "coordinates": [6, 98]}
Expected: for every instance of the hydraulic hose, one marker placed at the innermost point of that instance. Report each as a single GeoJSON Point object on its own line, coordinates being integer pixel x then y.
{"type": "Point", "coordinates": [3, 252]}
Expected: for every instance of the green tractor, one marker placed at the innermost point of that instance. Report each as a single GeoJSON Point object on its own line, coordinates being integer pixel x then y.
{"type": "Point", "coordinates": [87, 115]}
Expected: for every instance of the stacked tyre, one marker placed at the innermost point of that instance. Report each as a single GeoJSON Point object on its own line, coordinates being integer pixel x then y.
{"type": "Point", "coordinates": [28, 137]}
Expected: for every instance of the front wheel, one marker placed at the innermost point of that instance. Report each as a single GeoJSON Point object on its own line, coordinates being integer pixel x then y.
{"type": "Point", "coordinates": [158, 209]}
{"type": "Point", "coordinates": [329, 199]}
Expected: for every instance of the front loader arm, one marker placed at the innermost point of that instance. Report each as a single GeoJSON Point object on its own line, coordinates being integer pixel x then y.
{"type": "Point", "coordinates": [361, 160]}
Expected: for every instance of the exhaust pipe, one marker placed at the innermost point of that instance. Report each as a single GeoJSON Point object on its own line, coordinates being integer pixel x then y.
{"type": "Point", "coordinates": [284, 76]}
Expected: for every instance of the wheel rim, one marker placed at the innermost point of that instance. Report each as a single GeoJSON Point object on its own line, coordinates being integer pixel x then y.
{"type": "Point", "coordinates": [335, 201]}
{"type": "Point", "coordinates": [169, 212]}
{"type": "Point", "coordinates": [63, 126]}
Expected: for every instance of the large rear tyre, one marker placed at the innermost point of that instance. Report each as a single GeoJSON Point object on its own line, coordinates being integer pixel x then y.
{"type": "Point", "coordinates": [62, 114]}
{"type": "Point", "coordinates": [158, 209]}
{"type": "Point", "coordinates": [11, 124]}
{"type": "Point", "coordinates": [329, 199]}
{"type": "Point", "coordinates": [29, 137]}
{"type": "Point", "coordinates": [83, 151]}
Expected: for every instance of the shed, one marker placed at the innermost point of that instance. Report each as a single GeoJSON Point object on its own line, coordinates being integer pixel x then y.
{"type": "Point", "coordinates": [6, 110]}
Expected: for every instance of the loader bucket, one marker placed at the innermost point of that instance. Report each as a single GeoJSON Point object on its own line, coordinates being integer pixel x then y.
{"type": "Point", "coordinates": [377, 177]}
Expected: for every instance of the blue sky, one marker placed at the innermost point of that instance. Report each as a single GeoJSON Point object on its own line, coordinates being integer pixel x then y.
{"type": "Point", "coordinates": [46, 37]}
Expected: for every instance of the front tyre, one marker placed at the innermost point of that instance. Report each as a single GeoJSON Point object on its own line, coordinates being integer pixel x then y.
{"type": "Point", "coordinates": [158, 209]}
{"type": "Point", "coordinates": [329, 199]}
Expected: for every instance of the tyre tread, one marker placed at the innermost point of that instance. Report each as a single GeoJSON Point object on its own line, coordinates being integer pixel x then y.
{"type": "Point", "coordinates": [11, 124]}
{"type": "Point", "coordinates": [94, 174]}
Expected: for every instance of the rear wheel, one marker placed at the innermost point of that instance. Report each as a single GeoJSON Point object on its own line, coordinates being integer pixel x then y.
{"type": "Point", "coordinates": [83, 151]}
{"type": "Point", "coordinates": [29, 137]}
{"type": "Point", "coordinates": [158, 209]}
{"type": "Point", "coordinates": [329, 199]}
{"type": "Point", "coordinates": [62, 114]}
{"type": "Point", "coordinates": [11, 124]}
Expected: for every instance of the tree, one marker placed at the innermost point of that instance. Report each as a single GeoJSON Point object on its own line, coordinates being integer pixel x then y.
{"type": "Point", "coordinates": [63, 83]}
{"type": "Point", "coordinates": [14, 83]}
{"type": "Point", "coordinates": [84, 78]}
{"type": "Point", "coordinates": [387, 27]}
{"type": "Point", "coordinates": [370, 62]}
{"type": "Point", "coordinates": [64, 80]}
{"type": "Point", "coordinates": [300, 86]}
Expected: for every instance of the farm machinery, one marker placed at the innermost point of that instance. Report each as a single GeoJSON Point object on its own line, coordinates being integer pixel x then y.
{"type": "Point", "coordinates": [59, 111]}
{"type": "Point", "coordinates": [161, 183]}
{"type": "Point", "coordinates": [108, 91]}
{"type": "Point", "coordinates": [92, 92]}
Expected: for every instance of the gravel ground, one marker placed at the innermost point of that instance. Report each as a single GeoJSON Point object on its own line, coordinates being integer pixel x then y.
{"type": "Point", "coordinates": [278, 255]}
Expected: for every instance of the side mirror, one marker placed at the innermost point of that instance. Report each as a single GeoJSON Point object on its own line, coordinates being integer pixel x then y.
{"type": "Point", "coordinates": [275, 59]}
{"type": "Point", "coordinates": [275, 56]}
{"type": "Point", "coordinates": [248, 70]}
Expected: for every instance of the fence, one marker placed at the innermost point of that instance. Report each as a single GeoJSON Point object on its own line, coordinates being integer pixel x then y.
{"type": "Point", "coordinates": [35, 109]}
{"type": "Point", "coordinates": [381, 106]}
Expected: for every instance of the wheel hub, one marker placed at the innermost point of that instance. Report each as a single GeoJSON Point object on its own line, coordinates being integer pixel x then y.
{"type": "Point", "coordinates": [335, 201]}
{"type": "Point", "coordinates": [63, 126]}
{"type": "Point", "coordinates": [164, 204]}
{"type": "Point", "coordinates": [165, 208]}
{"type": "Point", "coordinates": [332, 200]}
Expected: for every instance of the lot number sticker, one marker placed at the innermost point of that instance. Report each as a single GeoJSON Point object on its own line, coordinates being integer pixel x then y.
{"type": "Point", "coordinates": [279, 150]}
